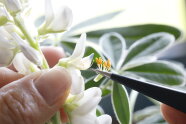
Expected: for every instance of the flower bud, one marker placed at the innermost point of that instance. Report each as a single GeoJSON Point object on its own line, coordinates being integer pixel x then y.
{"type": "Point", "coordinates": [23, 65]}
{"type": "Point", "coordinates": [13, 6]}
{"type": "Point", "coordinates": [29, 52]}
{"type": "Point", "coordinates": [6, 56]}
{"type": "Point", "coordinates": [4, 17]}
{"type": "Point", "coordinates": [10, 28]}
{"type": "Point", "coordinates": [8, 48]}
{"type": "Point", "coordinates": [56, 21]}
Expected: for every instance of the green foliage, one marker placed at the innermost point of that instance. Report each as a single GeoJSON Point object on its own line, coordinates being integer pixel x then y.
{"type": "Point", "coordinates": [133, 52]}
{"type": "Point", "coordinates": [121, 103]}
{"type": "Point", "coordinates": [133, 33]}
{"type": "Point", "coordinates": [161, 72]}
{"type": "Point", "coordinates": [93, 21]}
{"type": "Point", "coordinates": [113, 46]}
{"type": "Point", "coordinates": [148, 46]}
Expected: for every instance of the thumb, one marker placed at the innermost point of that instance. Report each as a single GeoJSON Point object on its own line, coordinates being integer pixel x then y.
{"type": "Point", "coordinates": [173, 116]}
{"type": "Point", "coordinates": [34, 99]}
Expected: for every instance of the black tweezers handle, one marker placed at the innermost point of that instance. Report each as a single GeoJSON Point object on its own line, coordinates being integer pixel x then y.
{"type": "Point", "coordinates": [166, 95]}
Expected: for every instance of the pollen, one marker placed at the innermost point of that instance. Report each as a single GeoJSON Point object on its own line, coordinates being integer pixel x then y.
{"type": "Point", "coordinates": [103, 65]}
{"type": "Point", "coordinates": [108, 64]}
{"type": "Point", "coordinates": [99, 61]}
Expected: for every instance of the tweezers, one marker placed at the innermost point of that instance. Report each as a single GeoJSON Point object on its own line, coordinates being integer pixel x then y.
{"type": "Point", "coordinates": [173, 97]}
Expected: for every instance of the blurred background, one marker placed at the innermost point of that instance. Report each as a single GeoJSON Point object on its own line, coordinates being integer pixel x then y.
{"type": "Point", "coordinates": [170, 12]}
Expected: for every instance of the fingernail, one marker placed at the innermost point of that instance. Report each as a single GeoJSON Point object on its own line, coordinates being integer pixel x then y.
{"type": "Point", "coordinates": [54, 85]}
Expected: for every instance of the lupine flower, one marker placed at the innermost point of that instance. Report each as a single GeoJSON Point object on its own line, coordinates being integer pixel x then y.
{"type": "Point", "coordinates": [4, 17]}
{"type": "Point", "coordinates": [8, 48]}
{"type": "Point", "coordinates": [10, 28]}
{"type": "Point", "coordinates": [75, 63]}
{"type": "Point", "coordinates": [56, 20]}
{"type": "Point", "coordinates": [13, 6]}
{"type": "Point", "coordinates": [23, 65]}
{"type": "Point", "coordinates": [29, 52]}
{"type": "Point", "coordinates": [81, 109]}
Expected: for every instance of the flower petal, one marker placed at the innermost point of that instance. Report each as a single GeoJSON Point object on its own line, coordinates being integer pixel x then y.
{"type": "Point", "coordinates": [85, 119]}
{"type": "Point", "coordinates": [4, 17]}
{"type": "Point", "coordinates": [6, 39]}
{"type": "Point", "coordinates": [49, 13]}
{"type": "Point", "coordinates": [80, 48]}
{"type": "Point", "coordinates": [104, 119]}
{"type": "Point", "coordinates": [13, 6]}
{"type": "Point", "coordinates": [23, 65]}
{"type": "Point", "coordinates": [6, 44]}
{"type": "Point", "coordinates": [89, 101]}
{"type": "Point", "coordinates": [29, 52]}
{"type": "Point", "coordinates": [84, 63]}
{"type": "Point", "coordinates": [6, 56]}
{"type": "Point", "coordinates": [63, 19]}
{"type": "Point", "coordinates": [77, 81]}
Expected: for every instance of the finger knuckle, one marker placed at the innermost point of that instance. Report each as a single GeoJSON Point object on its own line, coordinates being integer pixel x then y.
{"type": "Point", "coordinates": [16, 109]}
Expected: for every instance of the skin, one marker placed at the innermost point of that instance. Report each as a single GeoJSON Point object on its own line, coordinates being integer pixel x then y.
{"type": "Point", "coordinates": [35, 98]}
{"type": "Point", "coordinates": [173, 116]}
{"type": "Point", "coordinates": [23, 104]}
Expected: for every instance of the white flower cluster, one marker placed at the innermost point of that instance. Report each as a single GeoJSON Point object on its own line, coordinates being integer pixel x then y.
{"type": "Point", "coordinates": [81, 105]}
{"type": "Point", "coordinates": [17, 46]}
{"type": "Point", "coordinates": [14, 48]}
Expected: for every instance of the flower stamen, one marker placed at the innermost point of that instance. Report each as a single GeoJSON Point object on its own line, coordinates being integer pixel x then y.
{"type": "Point", "coordinates": [108, 65]}
{"type": "Point", "coordinates": [99, 62]}
{"type": "Point", "coordinates": [103, 66]}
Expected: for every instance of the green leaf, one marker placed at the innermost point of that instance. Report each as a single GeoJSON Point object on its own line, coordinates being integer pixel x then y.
{"type": "Point", "coordinates": [99, 111]}
{"type": "Point", "coordinates": [160, 71]}
{"type": "Point", "coordinates": [120, 102]}
{"type": "Point", "coordinates": [148, 46]}
{"type": "Point", "coordinates": [146, 112]}
{"type": "Point", "coordinates": [114, 48]}
{"type": "Point", "coordinates": [91, 83]}
{"type": "Point", "coordinates": [106, 92]}
{"type": "Point", "coordinates": [145, 50]}
{"type": "Point", "coordinates": [93, 21]}
{"type": "Point", "coordinates": [133, 33]}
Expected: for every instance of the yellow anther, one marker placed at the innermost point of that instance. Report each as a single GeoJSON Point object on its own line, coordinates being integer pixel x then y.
{"type": "Point", "coordinates": [105, 64]}
{"type": "Point", "coordinates": [99, 61]}
{"type": "Point", "coordinates": [108, 64]}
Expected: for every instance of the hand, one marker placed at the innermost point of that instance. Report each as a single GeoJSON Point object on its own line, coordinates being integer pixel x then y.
{"type": "Point", "coordinates": [173, 116]}
{"type": "Point", "coordinates": [35, 98]}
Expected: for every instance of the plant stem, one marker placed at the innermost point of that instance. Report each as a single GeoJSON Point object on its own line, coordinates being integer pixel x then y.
{"type": "Point", "coordinates": [20, 23]}
{"type": "Point", "coordinates": [35, 44]}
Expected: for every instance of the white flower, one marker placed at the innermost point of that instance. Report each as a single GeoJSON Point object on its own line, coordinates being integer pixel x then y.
{"type": "Point", "coordinates": [4, 17]}
{"type": "Point", "coordinates": [13, 6]}
{"type": "Point", "coordinates": [75, 63]}
{"type": "Point", "coordinates": [81, 108]}
{"type": "Point", "coordinates": [8, 48]}
{"type": "Point", "coordinates": [56, 21]}
{"type": "Point", "coordinates": [76, 60]}
{"type": "Point", "coordinates": [23, 65]}
{"type": "Point", "coordinates": [29, 52]}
